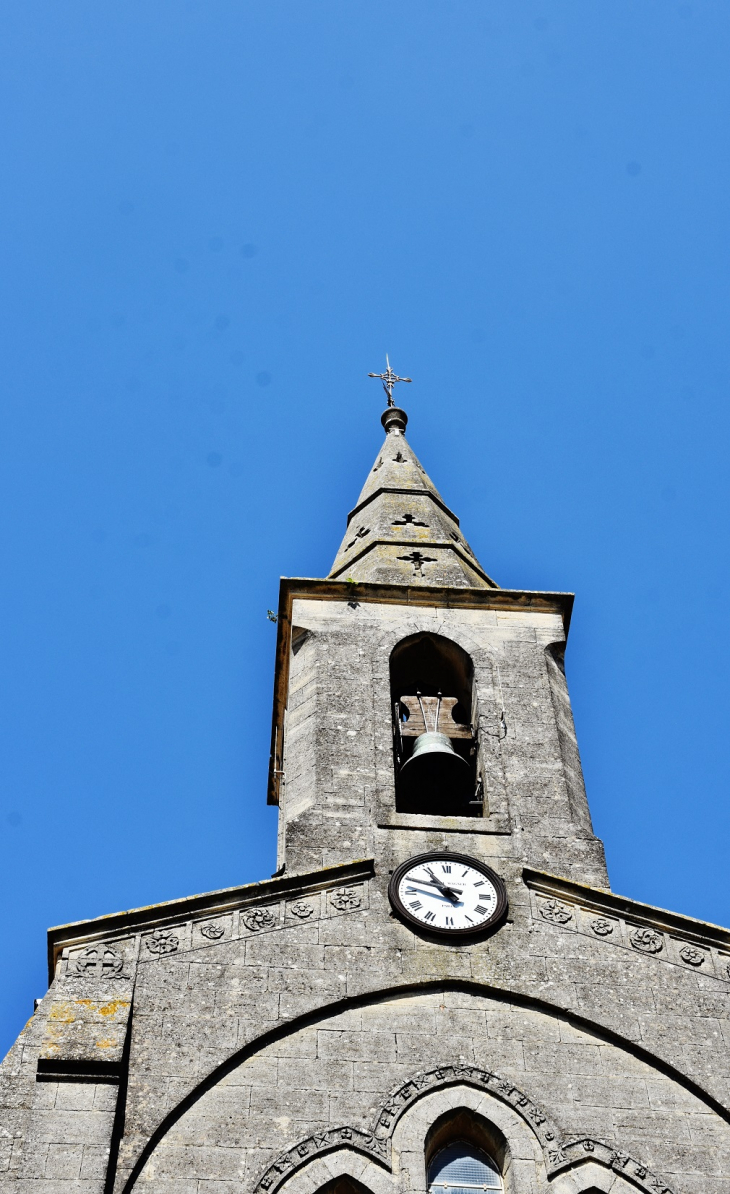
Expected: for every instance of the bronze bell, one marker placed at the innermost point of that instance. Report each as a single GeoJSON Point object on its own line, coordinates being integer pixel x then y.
{"type": "Point", "coordinates": [435, 779]}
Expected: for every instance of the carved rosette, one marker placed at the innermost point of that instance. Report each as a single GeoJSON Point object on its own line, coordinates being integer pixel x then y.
{"type": "Point", "coordinates": [692, 956]}
{"type": "Point", "coordinates": [346, 899]}
{"type": "Point", "coordinates": [162, 941]}
{"type": "Point", "coordinates": [555, 912]}
{"type": "Point", "coordinates": [256, 919]}
{"type": "Point", "coordinates": [212, 930]}
{"type": "Point", "coordinates": [601, 927]}
{"type": "Point", "coordinates": [301, 909]}
{"type": "Point", "coordinates": [648, 941]}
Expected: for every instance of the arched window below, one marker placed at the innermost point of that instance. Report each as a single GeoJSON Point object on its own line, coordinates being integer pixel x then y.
{"type": "Point", "coordinates": [462, 1168]}
{"type": "Point", "coordinates": [343, 1185]}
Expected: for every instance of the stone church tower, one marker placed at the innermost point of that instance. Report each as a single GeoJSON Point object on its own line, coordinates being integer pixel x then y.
{"type": "Point", "coordinates": [437, 989]}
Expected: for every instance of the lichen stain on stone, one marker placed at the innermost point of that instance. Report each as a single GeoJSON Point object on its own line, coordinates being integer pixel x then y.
{"type": "Point", "coordinates": [63, 1012]}
{"type": "Point", "coordinates": [106, 1044]}
{"type": "Point", "coordinates": [111, 1009]}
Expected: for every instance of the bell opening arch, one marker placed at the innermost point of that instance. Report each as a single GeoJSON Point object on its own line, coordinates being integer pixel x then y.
{"type": "Point", "coordinates": [434, 719]}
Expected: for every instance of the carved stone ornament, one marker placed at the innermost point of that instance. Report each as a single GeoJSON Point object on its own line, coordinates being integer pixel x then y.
{"type": "Point", "coordinates": [601, 927]}
{"type": "Point", "coordinates": [647, 940]}
{"type": "Point", "coordinates": [98, 961]}
{"type": "Point", "coordinates": [620, 1162]}
{"type": "Point", "coordinates": [258, 918]}
{"type": "Point", "coordinates": [555, 912]}
{"type": "Point", "coordinates": [376, 1143]}
{"type": "Point", "coordinates": [316, 1145]}
{"type": "Point", "coordinates": [346, 899]}
{"type": "Point", "coordinates": [301, 909]}
{"type": "Point", "coordinates": [162, 941]}
{"type": "Point", "coordinates": [212, 930]}
{"type": "Point", "coordinates": [692, 956]}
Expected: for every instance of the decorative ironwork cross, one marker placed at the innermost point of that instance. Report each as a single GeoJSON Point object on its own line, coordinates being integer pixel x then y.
{"type": "Point", "coordinates": [389, 378]}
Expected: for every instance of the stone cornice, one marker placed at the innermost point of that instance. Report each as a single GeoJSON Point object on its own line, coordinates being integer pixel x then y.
{"type": "Point", "coordinates": [408, 492]}
{"type": "Point", "coordinates": [172, 912]}
{"type": "Point", "coordinates": [435, 543]}
{"type": "Point", "coordinates": [362, 593]}
{"type": "Point", "coordinates": [567, 904]}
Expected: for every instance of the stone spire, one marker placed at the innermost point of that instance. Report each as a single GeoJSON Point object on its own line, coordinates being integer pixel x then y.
{"type": "Point", "coordinates": [401, 530]}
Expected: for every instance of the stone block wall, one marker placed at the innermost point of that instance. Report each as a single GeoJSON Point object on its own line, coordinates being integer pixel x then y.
{"type": "Point", "coordinates": [338, 797]}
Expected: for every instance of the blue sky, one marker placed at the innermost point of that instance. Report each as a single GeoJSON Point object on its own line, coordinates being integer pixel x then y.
{"type": "Point", "coordinates": [215, 219]}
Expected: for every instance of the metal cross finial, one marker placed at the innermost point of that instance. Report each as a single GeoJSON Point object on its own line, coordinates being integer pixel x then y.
{"type": "Point", "coordinates": [389, 378]}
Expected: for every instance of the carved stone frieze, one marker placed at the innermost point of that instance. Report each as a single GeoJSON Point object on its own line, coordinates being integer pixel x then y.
{"type": "Point", "coordinates": [448, 1075]}
{"type": "Point", "coordinates": [104, 960]}
{"type": "Point", "coordinates": [314, 1146]}
{"type": "Point", "coordinates": [621, 1162]}
{"type": "Point", "coordinates": [376, 1144]}
{"type": "Point", "coordinates": [646, 939]}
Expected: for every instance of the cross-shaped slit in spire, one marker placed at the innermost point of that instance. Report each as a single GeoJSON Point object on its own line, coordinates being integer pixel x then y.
{"type": "Point", "coordinates": [408, 520]}
{"type": "Point", "coordinates": [399, 458]}
{"type": "Point", "coordinates": [360, 534]}
{"type": "Point", "coordinates": [418, 560]}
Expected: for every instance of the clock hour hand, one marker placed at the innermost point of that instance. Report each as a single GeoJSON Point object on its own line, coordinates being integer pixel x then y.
{"type": "Point", "coordinates": [447, 891]}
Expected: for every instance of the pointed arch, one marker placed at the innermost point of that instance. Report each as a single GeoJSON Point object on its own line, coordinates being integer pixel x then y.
{"type": "Point", "coordinates": [566, 1156]}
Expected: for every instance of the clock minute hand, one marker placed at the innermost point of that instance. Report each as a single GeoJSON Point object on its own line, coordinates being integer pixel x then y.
{"type": "Point", "coordinates": [435, 883]}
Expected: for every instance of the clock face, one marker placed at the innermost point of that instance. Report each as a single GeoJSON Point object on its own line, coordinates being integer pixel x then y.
{"type": "Point", "coordinates": [449, 894]}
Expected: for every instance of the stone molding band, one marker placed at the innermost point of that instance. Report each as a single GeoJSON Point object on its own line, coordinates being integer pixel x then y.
{"type": "Point", "coordinates": [559, 1155]}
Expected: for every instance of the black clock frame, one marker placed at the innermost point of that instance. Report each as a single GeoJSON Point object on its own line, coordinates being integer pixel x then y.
{"type": "Point", "coordinates": [438, 855]}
